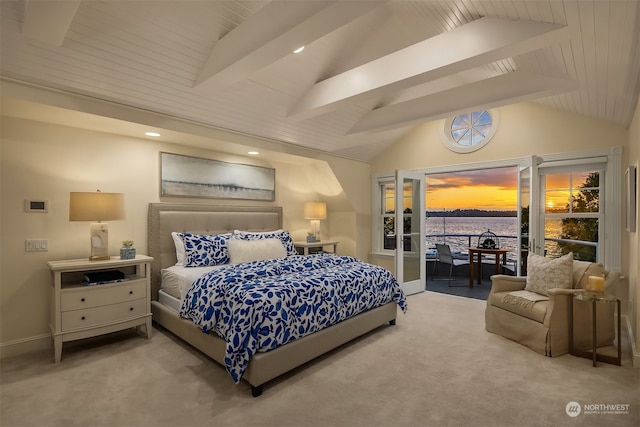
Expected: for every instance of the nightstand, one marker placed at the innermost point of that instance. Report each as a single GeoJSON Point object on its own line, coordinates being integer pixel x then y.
{"type": "Point", "coordinates": [305, 246]}
{"type": "Point", "coordinates": [79, 311]}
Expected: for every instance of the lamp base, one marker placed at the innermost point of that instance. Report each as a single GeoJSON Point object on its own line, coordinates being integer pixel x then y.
{"type": "Point", "coordinates": [99, 241]}
{"type": "Point", "coordinates": [315, 229]}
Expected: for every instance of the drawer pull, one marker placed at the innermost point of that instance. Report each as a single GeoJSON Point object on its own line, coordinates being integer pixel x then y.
{"type": "Point", "coordinates": [82, 299]}
{"type": "Point", "coordinates": [130, 292]}
{"type": "Point", "coordinates": [82, 318]}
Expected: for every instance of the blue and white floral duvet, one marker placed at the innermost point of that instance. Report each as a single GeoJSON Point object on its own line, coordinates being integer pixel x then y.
{"type": "Point", "coordinates": [260, 305]}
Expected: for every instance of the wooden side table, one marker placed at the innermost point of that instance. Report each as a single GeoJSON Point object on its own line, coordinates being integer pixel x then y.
{"type": "Point", "coordinates": [305, 246]}
{"type": "Point", "coordinates": [473, 251]}
{"type": "Point", "coordinates": [595, 298]}
{"type": "Point", "coordinates": [79, 311]}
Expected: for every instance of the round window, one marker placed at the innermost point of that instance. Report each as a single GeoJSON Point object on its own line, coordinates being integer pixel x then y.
{"type": "Point", "coordinates": [469, 132]}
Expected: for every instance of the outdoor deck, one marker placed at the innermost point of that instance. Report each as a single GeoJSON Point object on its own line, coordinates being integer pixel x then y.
{"type": "Point", "coordinates": [439, 282]}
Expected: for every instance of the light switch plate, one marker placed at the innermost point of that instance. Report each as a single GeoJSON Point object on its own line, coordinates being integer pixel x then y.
{"type": "Point", "coordinates": [36, 245]}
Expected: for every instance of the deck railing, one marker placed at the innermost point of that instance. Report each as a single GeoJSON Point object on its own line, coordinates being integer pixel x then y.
{"type": "Point", "coordinates": [457, 241]}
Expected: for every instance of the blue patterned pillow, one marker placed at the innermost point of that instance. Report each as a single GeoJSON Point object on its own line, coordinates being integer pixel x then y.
{"type": "Point", "coordinates": [204, 250]}
{"type": "Point", "coordinates": [283, 235]}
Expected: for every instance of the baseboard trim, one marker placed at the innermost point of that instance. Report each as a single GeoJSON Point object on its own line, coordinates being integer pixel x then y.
{"type": "Point", "coordinates": [635, 355]}
{"type": "Point", "coordinates": [25, 345]}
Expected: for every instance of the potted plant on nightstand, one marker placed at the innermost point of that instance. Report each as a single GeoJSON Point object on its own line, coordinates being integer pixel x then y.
{"type": "Point", "coordinates": [311, 238]}
{"type": "Point", "coordinates": [127, 251]}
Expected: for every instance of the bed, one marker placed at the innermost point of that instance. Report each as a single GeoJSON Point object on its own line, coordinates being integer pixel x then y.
{"type": "Point", "coordinates": [263, 366]}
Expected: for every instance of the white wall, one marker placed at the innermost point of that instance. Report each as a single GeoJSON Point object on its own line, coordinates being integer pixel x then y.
{"type": "Point", "coordinates": [45, 162]}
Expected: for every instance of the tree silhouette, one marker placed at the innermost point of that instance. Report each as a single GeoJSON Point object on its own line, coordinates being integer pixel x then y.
{"type": "Point", "coordinates": [585, 229]}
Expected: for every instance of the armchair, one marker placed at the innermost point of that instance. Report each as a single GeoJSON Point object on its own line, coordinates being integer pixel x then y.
{"type": "Point", "coordinates": [541, 322]}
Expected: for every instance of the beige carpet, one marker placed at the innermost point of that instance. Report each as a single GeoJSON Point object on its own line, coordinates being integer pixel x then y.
{"type": "Point", "coordinates": [436, 367]}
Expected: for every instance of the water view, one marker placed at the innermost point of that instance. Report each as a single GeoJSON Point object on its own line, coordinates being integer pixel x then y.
{"type": "Point", "coordinates": [461, 232]}
{"type": "Point", "coordinates": [455, 231]}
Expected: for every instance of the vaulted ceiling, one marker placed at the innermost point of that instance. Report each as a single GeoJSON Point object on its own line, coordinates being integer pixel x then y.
{"type": "Point", "coordinates": [370, 70]}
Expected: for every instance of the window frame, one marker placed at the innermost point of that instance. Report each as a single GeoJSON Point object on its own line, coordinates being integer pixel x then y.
{"type": "Point", "coordinates": [612, 157]}
{"type": "Point", "coordinates": [448, 141]}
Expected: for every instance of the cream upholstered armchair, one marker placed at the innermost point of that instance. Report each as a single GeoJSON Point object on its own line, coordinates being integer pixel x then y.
{"type": "Point", "coordinates": [534, 310]}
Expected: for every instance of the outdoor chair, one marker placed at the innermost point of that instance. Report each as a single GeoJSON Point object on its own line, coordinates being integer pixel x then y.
{"type": "Point", "coordinates": [445, 257]}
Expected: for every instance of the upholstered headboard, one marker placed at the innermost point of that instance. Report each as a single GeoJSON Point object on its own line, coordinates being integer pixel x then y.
{"type": "Point", "coordinates": [165, 218]}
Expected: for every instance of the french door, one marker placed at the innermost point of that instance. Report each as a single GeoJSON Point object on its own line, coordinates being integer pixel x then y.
{"type": "Point", "coordinates": [410, 231]}
{"type": "Point", "coordinates": [528, 219]}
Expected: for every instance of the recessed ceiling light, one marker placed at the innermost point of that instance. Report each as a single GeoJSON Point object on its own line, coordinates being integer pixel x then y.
{"type": "Point", "coordinates": [298, 50]}
{"type": "Point", "coordinates": [253, 153]}
{"type": "Point", "coordinates": [152, 133]}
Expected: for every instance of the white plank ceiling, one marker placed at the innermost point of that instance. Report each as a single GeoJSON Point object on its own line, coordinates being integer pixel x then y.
{"type": "Point", "coordinates": [369, 71]}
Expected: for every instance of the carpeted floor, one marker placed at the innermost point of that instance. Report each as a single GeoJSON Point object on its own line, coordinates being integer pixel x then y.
{"type": "Point", "coordinates": [436, 367]}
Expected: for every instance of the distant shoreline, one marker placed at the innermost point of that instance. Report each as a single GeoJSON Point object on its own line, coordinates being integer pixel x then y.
{"type": "Point", "coordinates": [476, 213]}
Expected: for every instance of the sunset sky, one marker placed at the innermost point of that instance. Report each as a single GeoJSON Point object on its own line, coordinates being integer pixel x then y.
{"type": "Point", "coordinates": [494, 189]}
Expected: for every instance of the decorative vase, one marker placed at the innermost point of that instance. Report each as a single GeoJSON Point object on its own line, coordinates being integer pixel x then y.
{"type": "Point", "coordinates": [127, 252]}
{"type": "Point", "coordinates": [311, 238]}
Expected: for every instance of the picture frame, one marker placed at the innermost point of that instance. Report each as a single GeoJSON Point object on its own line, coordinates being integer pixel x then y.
{"type": "Point", "coordinates": [631, 181]}
{"type": "Point", "coordinates": [187, 176]}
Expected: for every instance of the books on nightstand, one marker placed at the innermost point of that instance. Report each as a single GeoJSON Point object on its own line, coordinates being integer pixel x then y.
{"type": "Point", "coordinates": [103, 277]}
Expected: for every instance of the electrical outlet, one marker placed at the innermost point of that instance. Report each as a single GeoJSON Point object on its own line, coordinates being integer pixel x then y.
{"type": "Point", "coordinates": [36, 245]}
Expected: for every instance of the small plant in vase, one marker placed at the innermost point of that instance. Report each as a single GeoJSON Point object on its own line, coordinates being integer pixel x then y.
{"type": "Point", "coordinates": [127, 251]}
{"type": "Point", "coordinates": [311, 237]}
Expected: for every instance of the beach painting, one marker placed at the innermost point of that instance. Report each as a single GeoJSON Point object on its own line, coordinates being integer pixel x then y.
{"type": "Point", "coordinates": [186, 176]}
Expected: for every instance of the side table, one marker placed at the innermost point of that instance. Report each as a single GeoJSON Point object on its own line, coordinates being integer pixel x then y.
{"type": "Point", "coordinates": [79, 311]}
{"type": "Point", "coordinates": [305, 246]}
{"type": "Point", "coordinates": [595, 298]}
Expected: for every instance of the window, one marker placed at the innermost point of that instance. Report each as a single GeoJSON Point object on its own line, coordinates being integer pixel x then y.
{"type": "Point", "coordinates": [572, 214]}
{"type": "Point", "coordinates": [387, 211]}
{"type": "Point", "coordinates": [388, 193]}
{"type": "Point", "coordinates": [469, 132]}
{"type": "Point", "coordinates": [577, 187]}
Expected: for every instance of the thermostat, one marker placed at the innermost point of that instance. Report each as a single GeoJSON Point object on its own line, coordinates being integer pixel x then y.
{"type": "Point", "coordinates": [36, 205]}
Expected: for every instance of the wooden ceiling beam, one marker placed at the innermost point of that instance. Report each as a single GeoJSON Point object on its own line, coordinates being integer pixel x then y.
{"type": "Point", "coordinates": [509, 88]}
{"type": "Point", "coordinates": [477, 43]}
{"type": "Point", "coordinates": [48, 21]}
{"type": "Point", "coordinates": [274, 32]}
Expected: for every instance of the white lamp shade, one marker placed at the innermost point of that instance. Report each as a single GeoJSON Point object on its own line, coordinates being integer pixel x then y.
{"type": "Point", "coordinates": [96, 206]}
{"type": "Point", "coordinates": [315, 210]}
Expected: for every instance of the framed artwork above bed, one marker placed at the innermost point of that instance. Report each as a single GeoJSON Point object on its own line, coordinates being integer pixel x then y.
{"type": "Point", "coordinates": [186, 176]}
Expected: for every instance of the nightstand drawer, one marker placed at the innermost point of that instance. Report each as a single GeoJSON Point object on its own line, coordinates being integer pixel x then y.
{"type": "Point", "coordinates": [103, 315]}
{"type": "Point", "coordinates": [99, 295]}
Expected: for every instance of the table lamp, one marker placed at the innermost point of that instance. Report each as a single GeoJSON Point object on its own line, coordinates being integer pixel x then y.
{"type": "Point", "coordinates": [315, 211]}
{"type": "Point", "coordinates": [97, 207]}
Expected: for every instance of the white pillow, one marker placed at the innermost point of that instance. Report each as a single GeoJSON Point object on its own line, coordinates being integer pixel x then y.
{"type": "Point", "coordinates": [281, 234]}
{"type": "Point", "coordinates": [549, 273]}
{"type": "Point", "coordinates": [255, 250]}
{"type": "Point", "coordinates": [180, 251]}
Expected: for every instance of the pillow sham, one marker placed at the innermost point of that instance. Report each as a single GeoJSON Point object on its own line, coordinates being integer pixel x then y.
{"type": "Point", "coordinates": [549, 273]}
{"type": "Point", "coordinates": [179, 244]}
{"type": "Point", "coordinates": [283, 235]}
{"type": "Point", "coordinates": [255, 250]}
{"type": "Point", "coordinates": [203, 250]}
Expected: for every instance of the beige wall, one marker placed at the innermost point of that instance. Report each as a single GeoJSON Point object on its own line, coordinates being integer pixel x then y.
{"type": "Point", "coordinates": [46, 161]}
{"type": "Point", "coordinates": [633, 241]}
{"type": "Point", "coordinates": [529, 129]}
{"type": "Point", "coordinates": [523, 130]}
